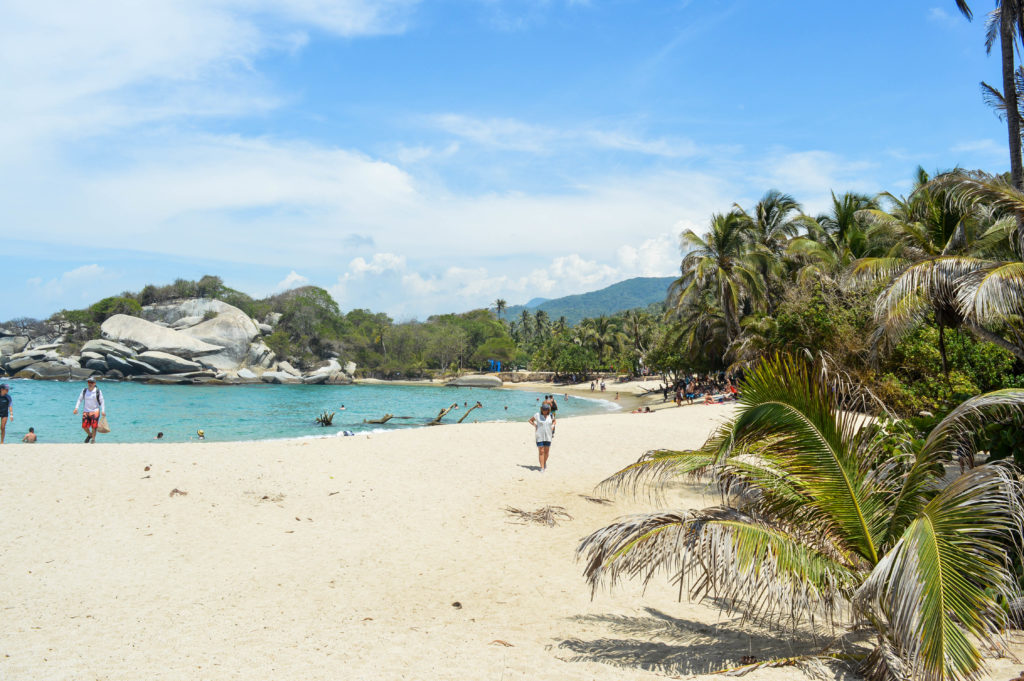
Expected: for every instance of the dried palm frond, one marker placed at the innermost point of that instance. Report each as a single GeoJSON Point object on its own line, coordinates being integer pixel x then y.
{"type": "Point", "coordinates": [548, 515]}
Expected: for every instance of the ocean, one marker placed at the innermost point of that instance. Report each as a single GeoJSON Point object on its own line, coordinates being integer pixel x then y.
{"type": "Point", "coordinates": [136, 413]}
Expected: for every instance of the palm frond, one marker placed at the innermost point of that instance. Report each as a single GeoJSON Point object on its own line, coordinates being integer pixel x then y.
{"type": "Point", "coordinates": [955, 436]}
{"type": "Point", "coordinates": [762, 571]}
{"type": "Point", "coordinates": [940, 586]}
{"type": "Point", "coordinates": [993, 292]}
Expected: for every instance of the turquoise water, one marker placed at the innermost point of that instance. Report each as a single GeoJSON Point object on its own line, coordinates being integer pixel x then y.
{"type": "Point", "coordinates": [260, 412]}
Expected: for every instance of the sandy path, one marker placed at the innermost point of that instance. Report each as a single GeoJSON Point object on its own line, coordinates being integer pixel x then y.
{"type": "Point", "coordinates": [340, 559]}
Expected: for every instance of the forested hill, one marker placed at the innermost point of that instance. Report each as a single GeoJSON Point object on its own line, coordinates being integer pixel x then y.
{"type": "Point", "coordinates": [625, 295]}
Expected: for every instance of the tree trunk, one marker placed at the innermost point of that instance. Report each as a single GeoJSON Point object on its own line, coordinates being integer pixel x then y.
{"type": "Point", "coordinates": [942, 350]}
{"type": "Point", "coordinates": [985, 334]}
{"type": "Point", "coordinates": [1007, 27]}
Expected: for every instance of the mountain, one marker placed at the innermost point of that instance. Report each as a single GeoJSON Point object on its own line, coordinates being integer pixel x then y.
{"type": "Point", "coordinates": [625, 295]}
{"type": "Point", "coordinates": [535, 302]}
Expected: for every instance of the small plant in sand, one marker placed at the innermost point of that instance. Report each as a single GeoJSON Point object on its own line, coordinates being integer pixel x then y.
{"type": "Point", "coordinates": [548, 515]}
{"type": "Point", "coordinates": [831, 516]}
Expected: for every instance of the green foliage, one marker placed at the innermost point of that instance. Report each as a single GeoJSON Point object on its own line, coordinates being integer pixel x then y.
{"type": "Point", "coordinates": [501, 349]}
{"type": "Point", "coordinates": [108, 307]}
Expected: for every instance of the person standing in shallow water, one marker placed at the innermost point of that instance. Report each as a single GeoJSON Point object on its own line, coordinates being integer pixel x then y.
{"type": "Point", "coordinates": [544, 430]}
{"type": "Point", "coordinates": [6, 410]}
{"type": "Point", "coordinates": [91, 401]}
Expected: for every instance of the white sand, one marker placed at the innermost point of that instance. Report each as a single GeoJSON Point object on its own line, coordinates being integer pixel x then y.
{"type": "Point", "coordinates": [341, 558]}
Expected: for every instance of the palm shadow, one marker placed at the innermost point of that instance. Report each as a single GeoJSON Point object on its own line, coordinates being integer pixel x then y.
{"type": "Point", "coordinates": [661, 643]}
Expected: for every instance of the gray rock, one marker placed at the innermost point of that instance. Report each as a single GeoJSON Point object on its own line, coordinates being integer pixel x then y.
{"type": "Point", "coordinates": [119, 364]}
{"type": "Point", "coordinates": [172, 311]}
{"type": "Point", "coordinates": [247, 375]}
{"type": "Point", "coordinates": [350, 368]}
{"type": "Point", "coordinates": [142, 335]}
{"type": "Point", "coordinates": [106, 347]}
{"type": "Point", "coordinates": [315, 379]}
{"type": "Point", "coordinates": [87, 355]}
{"type": "Point", "coordinates": [233, 331]}
{"type": "Point", "coordinates": [71, 362]}
{"type": "Point", "coordinates": [260, 356]}
{"type": "Point", "coordinates": [272, 318]}
{"type": "Point", "coordinates": [476, 381]}
{"type": "Point", "coordinates": [47, 346]}
{"type": "Point", "coordinates": [186, 322]}
{"type": "Point", "coordinates": [140, 367]}
{"type": "Point", "coordinates": [13, 344]}
{"type": "Point", "coordinates": [114, 375]}
{"type": "Point", "coordinates": [288, 369]}
{"type": "Point", "coordinates": [340, 378]}
{"type": "Point", "coordinates": [97, 365]}
{"type": "Point", "coordinates": [35, 354]}
{"type": "Point", "coordinates": [50, 371]}
{"type": "Point", "coordinates": [166, 363]}
{"type": "Point", "coordinates": [329, 367]}
{"type": "Point", "coordinates": [279, 377]}
{"type": "Point", "coordinates": [265, 329]}
{"type": "Point", "coordinates": [22, 362]}
{"type": "Point", "coordinates": [81, 374]}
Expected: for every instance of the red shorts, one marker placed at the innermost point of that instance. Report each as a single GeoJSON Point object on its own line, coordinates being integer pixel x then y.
{"type": "Point", "coordinates": [90, 420]}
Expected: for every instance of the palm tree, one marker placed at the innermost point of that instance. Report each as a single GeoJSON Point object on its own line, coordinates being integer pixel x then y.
{"type": "Point", "coordinates": [725, 261]}
{"type": "Point", "coordinates": [774, 220]}
{"type": "Point", "coordinates": [499, 306]}
{"type": "Point", "coordinates": [1007, 22]}
{"type": "Point", "coordinates": [542, 323]}
{"type": "Point", "coordinates": [525, 325]}
{"type": "Point", "coordinates": [828, 512]}
{"type": "Point", "coordinates": [931, 239]}
{"type": "Point", "coordinates": [834, 239]}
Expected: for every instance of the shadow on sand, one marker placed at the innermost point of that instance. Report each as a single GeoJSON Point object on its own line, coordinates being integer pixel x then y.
{"type": "Point", "coordinates": [529, 468]}
{"type": "Point", "coordinates": [661, 643]}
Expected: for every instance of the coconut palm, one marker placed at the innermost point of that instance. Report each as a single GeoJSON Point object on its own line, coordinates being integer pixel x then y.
{"type": "Point", "coordinates": [725, 261]}
{"type": "Point", "coordinates": [827, 513]}
{"type": "Point", "coordinates": [773, 221]}
{"type": "Point", "coordinates": [1005, 23]}
{"type": "Point", "coordinates": [499, 306]}
{"type": "Point", "coordinates": [931, 239]}
{"type": "Point", "coordinates": [833, 239]}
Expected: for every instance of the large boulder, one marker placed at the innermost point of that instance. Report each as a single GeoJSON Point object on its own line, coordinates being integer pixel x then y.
{"type": "Point", "coordinates": [89, 354]}
{"type": "Point", "coordinates": [476, 381]}
{"type": "Point", "coordinates": [186, 322]}
{"type": "Point", "coordinates": [48, 371]}
{"type": "Point", "coordinates": [329, 367]}
{"type": "Point", "coordinates": [233, 331]}
{"type": "Point", "coordinates": [97, 364]}
{"type": "Point", "coordinates": [143, 335]}
{"type": "Point", "coordinates": [166, 363]}
{"type": "Point", "coordinates": [22, 360]}
{"type": "Point", "coordinates": [260, 356]}
{"type": "Point", "coordinates": [119, 364]}
{"type": "Point", "coordinates": [173, 311]}
{"type": "Point", "coordinates": [247, 375]}
{"type": "Point", "coordinates": [139, 367]}
{"type": "Point", "coordinates": [105, 347]}
{"type": "Point", "coordinates": [339, 379]}
{"type": "Point", "coordinates": [10, 345]}
{"type": "Point", "coordinates": [288, 369]}
{"type": "Point", "coordinates": [80, 374]}
{"type": "Point", "coordinates": [315, 379]}
{"type": "Point", "coordinates": [279, 377]}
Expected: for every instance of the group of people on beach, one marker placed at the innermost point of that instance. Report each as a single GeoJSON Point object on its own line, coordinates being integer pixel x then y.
{"type": "Point", "coordinates": [710, 388]}
{"type": "Point", "coordinates": [90, 400]}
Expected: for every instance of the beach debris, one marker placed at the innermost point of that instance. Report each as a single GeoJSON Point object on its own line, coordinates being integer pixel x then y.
{"type": "Point", "coordinates": [331, 494]}
{"type": "Point", "coordinates": [325, 419]}
{"type": "Point", "coordinates": [442, 414]}
{"type": "Point", "coordinates": [548, 515]}
{"type": "Point", "coordinates": [382, 419]}
{"type": "Point", "coordinates": [457, 605]}
{"type": "Point", "coordinates": [177, 493]}
{"type": "Point", "coordinates": [475, 406]}
{"type": "Point", "coordinates": [597, 500]}
{"type": "Point", "coordinates": [146, 468]}
{"type": "Point", "coordinates": [499, 642]}
{"type": "Point", "coordinates": [272, 498]}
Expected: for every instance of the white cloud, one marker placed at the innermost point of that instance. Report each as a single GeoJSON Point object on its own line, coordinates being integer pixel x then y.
{"type": "Point", "coordinates": [81, 283]}
{"type": "Point", "coordinates": [293, 280]}
{"type": "Point", "coordinates": [981, 146]}
{"type": "Point", "coordinates": [380, 263]}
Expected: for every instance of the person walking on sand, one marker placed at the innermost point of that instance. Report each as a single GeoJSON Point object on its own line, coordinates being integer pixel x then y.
{"type": "Point", "coordinates": [91, 401]}
{"type": "Point", "coordinates": [6, 410]}
{"type": "Point", "coordinates": [543, 423]}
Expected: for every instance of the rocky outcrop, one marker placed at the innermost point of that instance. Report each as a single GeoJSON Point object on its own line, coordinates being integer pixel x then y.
{"type": "Point", "coordinates": [287, 368]}
{"type": "Point", "coordinates": [260, 355]}
{"type": "Point", "coordinates": [10, 345]}
{"type": "Point", "coordinates": [106, 347]}
{"type": "Point", "coordinates": [166, 363]}
{"type": "Point", "coordinates": [173, 311]}
{"type": "Point", "coordinates": [280, 377]}
{"type": "Point", "coordinates": [143, 335]}
{"type": "Point", "coordinates": [233, 331]}
{"type": "Point", "coordinates": [476, 381]}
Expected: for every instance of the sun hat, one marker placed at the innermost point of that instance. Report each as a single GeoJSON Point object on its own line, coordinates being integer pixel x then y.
{"type": "Point", "coordinates": [4, 386]}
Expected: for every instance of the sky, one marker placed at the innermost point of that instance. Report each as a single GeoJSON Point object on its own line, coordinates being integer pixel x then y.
{"type": "Point", "coordinates": [419, 157]}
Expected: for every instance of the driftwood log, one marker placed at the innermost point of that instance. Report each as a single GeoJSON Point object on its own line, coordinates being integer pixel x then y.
{"type": "Point", "coordinates": [442, 414]}
{"type": "Point", "coordinates": [475, 406]}
{"type": "Point", "coordinates": [383, 419]}
{"type": "Point", "coordinates": [325, 419]}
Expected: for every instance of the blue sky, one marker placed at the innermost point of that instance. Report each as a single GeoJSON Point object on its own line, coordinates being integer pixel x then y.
{"type": "Point", "coordinates": [422, 157]}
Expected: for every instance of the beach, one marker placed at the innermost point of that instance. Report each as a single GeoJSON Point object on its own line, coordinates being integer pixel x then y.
{"type": "Point", "coordinates": [382, 556]}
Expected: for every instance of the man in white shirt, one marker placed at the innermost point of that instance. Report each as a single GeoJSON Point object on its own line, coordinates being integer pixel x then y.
{"type": "Point", "coordinates": [91, 401]}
